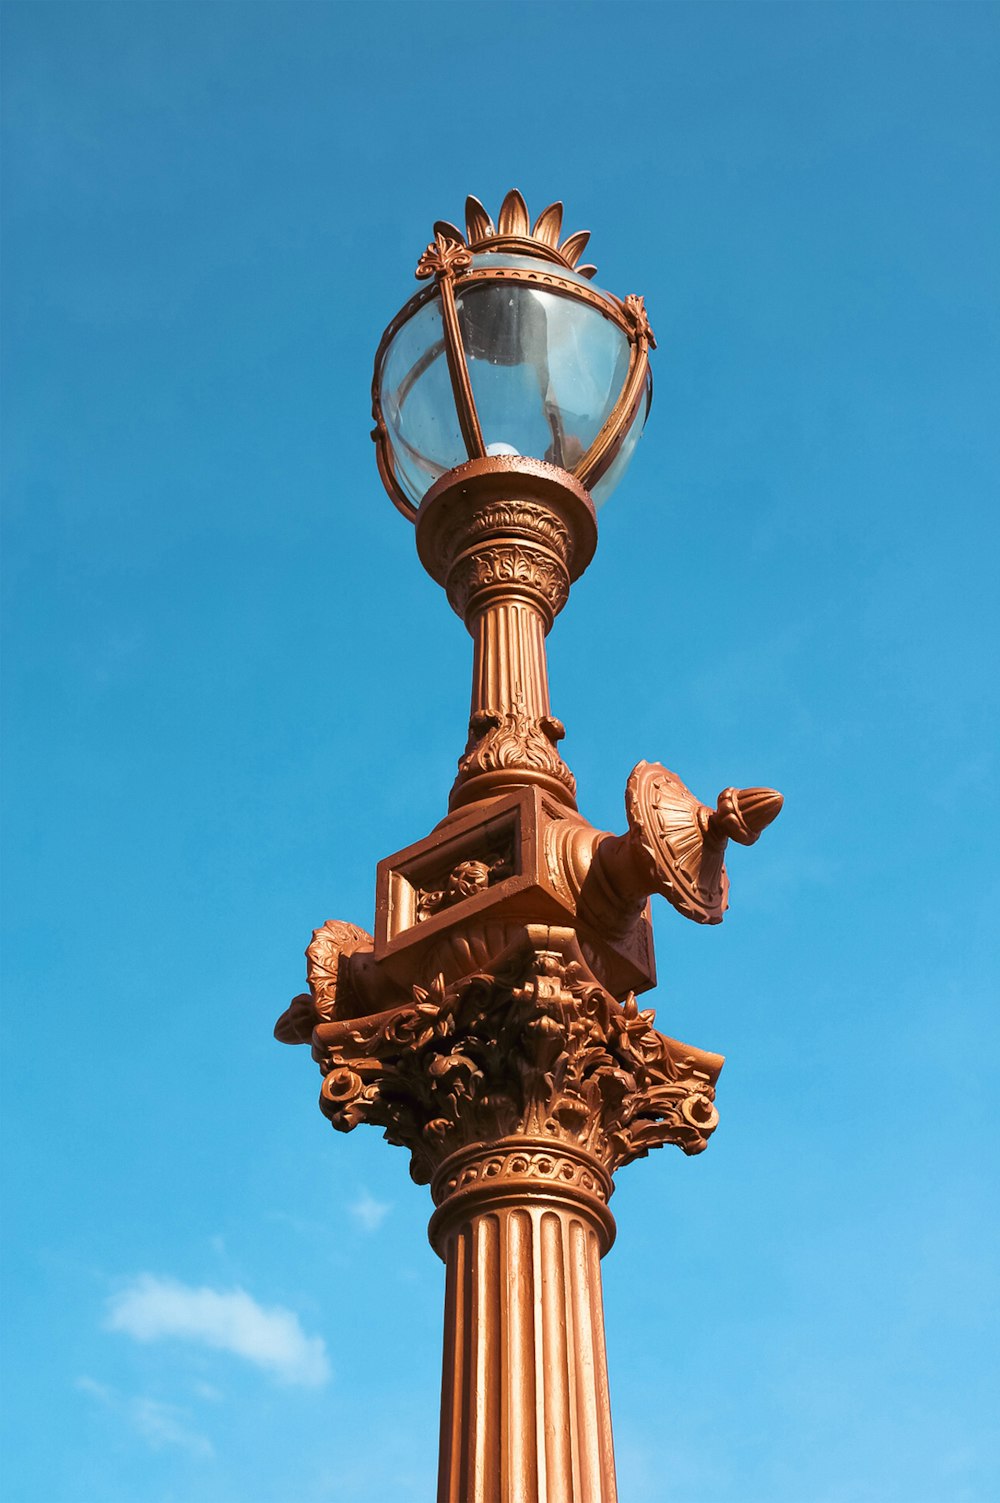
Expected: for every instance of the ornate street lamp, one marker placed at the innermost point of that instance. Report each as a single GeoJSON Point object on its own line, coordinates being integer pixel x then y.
{"type": "Point", "coordinates": [490, 1025]}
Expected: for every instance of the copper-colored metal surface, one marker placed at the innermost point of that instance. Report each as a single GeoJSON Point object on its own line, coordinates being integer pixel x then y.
{"type": "Point", "coordinates": [490, 1024]}
{"type": "Point", "coordinates": [514, 233]}
{"type": "Point", "coordinates": [443, 259]}
{"type": "Point", "coordinates": [506, 537]}
{"type": "Point", "coordinates": [599, 457]}
{"type": "Point", "coordinates": [676, 844]}
{"type": "Point", "coordinates": [525, 1407]}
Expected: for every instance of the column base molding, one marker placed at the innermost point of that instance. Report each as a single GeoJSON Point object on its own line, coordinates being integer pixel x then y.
{"type": "Point", "coordinates": [542, 1174]}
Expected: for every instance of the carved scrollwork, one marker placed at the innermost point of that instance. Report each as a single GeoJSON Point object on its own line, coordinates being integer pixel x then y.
{"type": "Point", "coordinates": [342, 981]}
{"type": "Point", "coordinates": [533, 1045]}
{"type": "Point", "coordinates": [635, 312]}
{"type": "Point", "coordinates": [498, 742]}
{"type": "Point", "coordinates": [464, 881]}
{"type": "Point", "coordinates": [443, 258]}
{"type": "Point", "coordinates": [524, 517]}
{"type": "Point", "coordinates": [329, 946]}
{"type": "Point", "coordinates": [509, 564]}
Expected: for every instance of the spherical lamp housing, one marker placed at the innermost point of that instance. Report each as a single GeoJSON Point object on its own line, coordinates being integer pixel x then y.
{"type": "Point", "coordinates": [509, 349]}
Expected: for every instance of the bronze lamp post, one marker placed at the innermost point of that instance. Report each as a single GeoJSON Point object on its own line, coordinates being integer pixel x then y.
{"type": "Point", "coordinates": [490, 1024]}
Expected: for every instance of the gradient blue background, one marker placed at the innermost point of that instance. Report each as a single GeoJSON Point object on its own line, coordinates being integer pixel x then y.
{"type": "Point", "coordinates": [230, 690]}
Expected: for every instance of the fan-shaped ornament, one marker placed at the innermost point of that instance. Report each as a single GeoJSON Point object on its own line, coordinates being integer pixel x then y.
{"type": "Point", "coordinates": [685, 841]}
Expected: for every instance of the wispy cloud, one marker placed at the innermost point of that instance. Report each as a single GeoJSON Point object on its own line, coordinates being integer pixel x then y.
{"type": "Point", "coordinates": [368, 1212]}
{"type": "Point", "coordinates": [159, 1424]}
{"type": "Point", "coordinates": [152, 1309]}
{"type": "Point", "coordinates": [163, 1425]}
{"type": "Point", "coordinates": [208, 1391]}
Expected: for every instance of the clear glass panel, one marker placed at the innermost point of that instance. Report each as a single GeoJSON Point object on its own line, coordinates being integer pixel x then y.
{"type": "Point", "coordinates": [418, 404]}
{"type": "Point", "coordinates": [494, 259]}
{"type": "Point", "coordinates": [546, 369]}
{"type": "Point", "coordinates": [609, 481]}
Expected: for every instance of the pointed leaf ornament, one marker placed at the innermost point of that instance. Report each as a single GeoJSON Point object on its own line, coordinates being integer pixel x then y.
{"type": "Point", "coordinates": [513, 223]}
{"type": "Point", "coordinates": [548, 224]}
{"type": "Point", "coordinates": [478, 224]}
{"type": "Point", "coordinates": [447, 231]}
{"type": "Point", "coordinates": [572, 249]}
{"type": "Point", "coordinates": [514, 215]}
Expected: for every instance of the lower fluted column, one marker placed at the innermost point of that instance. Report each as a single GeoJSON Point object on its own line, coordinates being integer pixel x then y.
{"type": "Point", "coordinates": [525, 1410]}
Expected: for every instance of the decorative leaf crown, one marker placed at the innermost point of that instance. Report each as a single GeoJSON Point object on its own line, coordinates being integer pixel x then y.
{"type": "Point", "coordinates": [514, 233]}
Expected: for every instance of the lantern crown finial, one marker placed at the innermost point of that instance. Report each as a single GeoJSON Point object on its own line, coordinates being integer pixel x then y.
{"type": "Point", "coordinates": [515, 233]}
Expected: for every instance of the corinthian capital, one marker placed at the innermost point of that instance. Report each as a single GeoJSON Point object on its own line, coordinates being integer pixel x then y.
{"type": "Point", "coordinates": [531, 1044]}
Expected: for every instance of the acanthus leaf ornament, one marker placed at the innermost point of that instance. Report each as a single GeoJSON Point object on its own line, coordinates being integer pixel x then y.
{"type": "Point", "coordinates": [443, 258]}
{"type": "Point", "coordinates": [343, 981]}
{"type": "Point", "coordinates": [509, 563]}
{"type": "Point", "coordinates": [329, 985]}
{"type": "Point", "coordinates": [513, 739]}
{"type": "Point", "coordinates": [532, 1045]}
{"type": "Point", "coordinates": [635, 310]}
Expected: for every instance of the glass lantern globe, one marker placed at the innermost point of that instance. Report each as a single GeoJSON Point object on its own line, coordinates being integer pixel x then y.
{"type": "Point", "coordinates": [509, 350]}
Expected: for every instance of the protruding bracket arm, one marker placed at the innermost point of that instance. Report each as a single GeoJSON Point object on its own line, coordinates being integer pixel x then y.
{"type": "Point", "coordinates": [675, 846]}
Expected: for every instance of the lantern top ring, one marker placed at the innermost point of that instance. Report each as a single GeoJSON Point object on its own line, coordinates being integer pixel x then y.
{"type": "Point", "coordinates": [509, 350]}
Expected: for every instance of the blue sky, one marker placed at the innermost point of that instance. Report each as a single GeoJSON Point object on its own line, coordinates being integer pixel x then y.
{"type": "Point", "coordinates": [230, 690]}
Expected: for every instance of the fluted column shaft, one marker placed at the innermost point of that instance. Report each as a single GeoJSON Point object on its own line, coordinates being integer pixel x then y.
{"type": "Point", "coordinates": [509, 669]}
{"type": "Point", "coordinates": [525, 1407]}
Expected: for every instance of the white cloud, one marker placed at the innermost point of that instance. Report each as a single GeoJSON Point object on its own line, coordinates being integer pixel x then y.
{"type": "Point", "coordinates": [162, 1425]}
{"type": "Point", "coordinates": [368, 1212]}
{"type": "Point", "coordinates": [151, 1308]}
{"type": "Point", "coordinates": [159, 1424]}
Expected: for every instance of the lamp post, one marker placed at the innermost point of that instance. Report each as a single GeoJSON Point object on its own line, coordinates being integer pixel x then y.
{"type": "Point", "coordinates": [490, 1024]}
